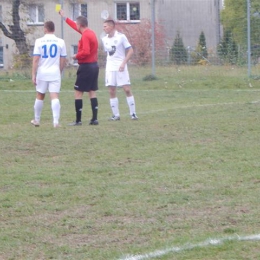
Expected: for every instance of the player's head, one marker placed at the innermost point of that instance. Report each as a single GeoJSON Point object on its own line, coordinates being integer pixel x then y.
{"type": "Point", "coordinates": [110, 22]}
{"type": "Point", "coordinates": [82, 22]}
{"type": "Point", "coordinates": [49, 27]}
{"type": "Point", "coordinates": [109, 26]}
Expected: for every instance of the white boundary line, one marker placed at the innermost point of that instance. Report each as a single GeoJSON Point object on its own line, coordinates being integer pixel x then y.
{"type": "Point", "coordinates": [199, 105]}
{"type": "Point", "coordinates": [209, 242]}
{"type": "Point", "coordinates": [162, 110]}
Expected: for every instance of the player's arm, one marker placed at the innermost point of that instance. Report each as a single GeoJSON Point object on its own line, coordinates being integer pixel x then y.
{"type": "Point", "coordinates": [62, 63]}
{"type": "Point", "coordinates": [129, 53]}
{"type": "Point", "coordinates": [35, 63]}
{"type": "Point", "coordinates": [63, 56]}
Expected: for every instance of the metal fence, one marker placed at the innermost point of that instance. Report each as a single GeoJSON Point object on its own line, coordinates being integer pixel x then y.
{"type": "Point", "coordinates": [165, 33]}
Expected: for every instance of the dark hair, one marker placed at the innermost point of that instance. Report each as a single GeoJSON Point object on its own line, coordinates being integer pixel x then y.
{"type": "Point", "coordinates": [82, 20]}
{"type": "Point", "coordinates": [49, 25]}
{"type": "Point", "coordinates": [110, 21]}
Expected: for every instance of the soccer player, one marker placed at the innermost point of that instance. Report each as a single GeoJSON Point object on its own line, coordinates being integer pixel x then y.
{"type": "Point", "coordinates": [119, 51]}
{"type": "Point", "coordinates": [87, 73]}
{"type": "Point", "coordinates": [49, 60]}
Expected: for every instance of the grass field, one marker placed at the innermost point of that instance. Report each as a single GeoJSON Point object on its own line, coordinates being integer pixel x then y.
{"type": "Point", "coordinates": [167, 186]}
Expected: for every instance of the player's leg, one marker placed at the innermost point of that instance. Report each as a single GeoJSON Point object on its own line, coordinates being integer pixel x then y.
{"type": "Point", "coordinates": [92, 88]}
{"type": "Point", "coordinates": [130, 101]}
{"type": "Point", "coordinates": [54, 89]}
{"type": "Point", "coordinates": [94, 107]}
{"type": "Point", "coordinates": [41, 89]}
{"type": "Point", "coordinates": [55, 106]}
{"type": "Point", "coordinates": [114, 103]}
{"type": "Point", "coordinates": [79, 88]}
{"type": "Point", "coordinates": [123, 79]}
{"type": "Point", "coordinates": [78, 106]}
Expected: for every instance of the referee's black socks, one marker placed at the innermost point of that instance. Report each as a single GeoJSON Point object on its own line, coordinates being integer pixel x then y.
{"type": "Point", "coordinates": [78, 108]}
{"type": "Point", "coordinates": [94, 106]}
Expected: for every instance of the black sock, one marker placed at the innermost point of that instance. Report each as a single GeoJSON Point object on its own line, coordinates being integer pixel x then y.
{"type": "Point", "coordinates": [78, 108]}
{"type": "Point", "coordinates": [94, 106]}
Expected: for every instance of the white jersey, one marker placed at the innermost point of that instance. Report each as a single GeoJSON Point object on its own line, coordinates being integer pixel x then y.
{"type": "Point", "coordinates": [50, 48]}
{"type": "Point", "coordinates": [115, 47]}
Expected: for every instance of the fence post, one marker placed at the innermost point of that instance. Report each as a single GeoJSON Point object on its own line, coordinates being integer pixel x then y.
{"type": "Point", "coordinates": [153, 35]}
{"type": "Point", "coordinates": [62, 29]}
{"type": "Point", "coordinates": [248, 38]}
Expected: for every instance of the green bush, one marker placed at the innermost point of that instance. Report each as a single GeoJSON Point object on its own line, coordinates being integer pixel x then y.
{"type": "Point", "coordinates": [178, 52]}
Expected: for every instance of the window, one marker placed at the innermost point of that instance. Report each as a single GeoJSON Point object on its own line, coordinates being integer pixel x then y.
{"type": "Point", "coordinates": [128, 11]}
{"type": "Point", "coordinates": [36, 14]}
{"type": "Point", "coordinates": [79, 9]}
{"type": "Point", "coordinates": [1, 57]}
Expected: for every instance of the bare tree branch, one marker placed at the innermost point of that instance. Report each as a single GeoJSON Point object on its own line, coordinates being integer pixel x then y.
{"type": "Point", "coordinates": [5, 31]}
{"type": "Point", "coordinates": [15, 32]}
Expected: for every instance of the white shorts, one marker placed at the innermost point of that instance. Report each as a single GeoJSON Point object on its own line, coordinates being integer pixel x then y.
{"type": "Point", "coordinates": [117, 78]}
{"type": "Point", "coordinates": [53, 86]}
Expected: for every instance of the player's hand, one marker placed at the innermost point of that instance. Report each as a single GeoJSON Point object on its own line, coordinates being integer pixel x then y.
{"type": "Point", "coordinates": [122, 68]}
{"type": "Point", "coordinates": [34, 80]}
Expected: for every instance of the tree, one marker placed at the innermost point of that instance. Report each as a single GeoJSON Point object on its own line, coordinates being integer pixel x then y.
{"type": "Point", "coordinates": [201, 52]}
{"type": "Point", "coordinates": [227, 49]}
{"type": "Point", "coordinates": [202, 46]}
{"type": "Point", "coordinates": [140, 37]}
{"type": "Point", "coordinates": [255, 53]}
{"type": "Point", "coordinates": [178, 53]}
{"type": "Point", "coordinates": [234, 20]}
{"type": "Point", "coordinates": [14, 32]}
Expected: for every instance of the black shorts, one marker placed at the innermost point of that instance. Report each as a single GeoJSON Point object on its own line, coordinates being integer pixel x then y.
{"type": "Point", "coordinates": [87, 77]}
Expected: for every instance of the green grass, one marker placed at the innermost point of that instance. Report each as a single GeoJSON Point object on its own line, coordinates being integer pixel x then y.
{"type": "Point", "coordinates": [188, 170]}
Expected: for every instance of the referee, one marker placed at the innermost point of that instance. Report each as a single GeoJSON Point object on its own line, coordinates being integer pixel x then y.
{"type": "Point", "coordinates": [87, 73]}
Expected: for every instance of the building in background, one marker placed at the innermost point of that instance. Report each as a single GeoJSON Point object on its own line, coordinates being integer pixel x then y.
{"type": "Point", "coordinates": [189, 17]}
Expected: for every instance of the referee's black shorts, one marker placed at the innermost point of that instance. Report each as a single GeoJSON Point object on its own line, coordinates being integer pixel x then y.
{"type": "Point", "coordinates": [87, 77]}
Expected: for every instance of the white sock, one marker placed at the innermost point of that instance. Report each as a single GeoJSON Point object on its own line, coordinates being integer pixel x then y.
{"type": "Point", "coordinates": [131, 104]}
{"type": "Point", "coordinates": [114, 106]}
{"type": "Point", "coordinates": [55, 106]}
{"type": "Point", "coordinates": [38, 105]}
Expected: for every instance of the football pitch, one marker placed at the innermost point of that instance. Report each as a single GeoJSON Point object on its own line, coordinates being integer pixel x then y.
{"type": "Point", "coordinates": [182, 182]}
